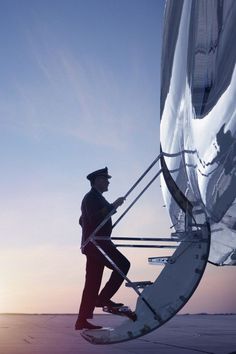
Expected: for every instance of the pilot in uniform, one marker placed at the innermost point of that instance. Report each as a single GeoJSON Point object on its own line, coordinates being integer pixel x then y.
{"type": "Point", "coordinates": [94, 209]}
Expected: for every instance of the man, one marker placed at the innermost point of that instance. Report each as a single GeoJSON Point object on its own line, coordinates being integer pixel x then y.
{"type": "Point", "coordinates": [94, 209]}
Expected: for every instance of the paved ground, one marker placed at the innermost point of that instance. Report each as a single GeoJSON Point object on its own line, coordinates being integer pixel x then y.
{"type": "Point", "coordinates": [52, 334]}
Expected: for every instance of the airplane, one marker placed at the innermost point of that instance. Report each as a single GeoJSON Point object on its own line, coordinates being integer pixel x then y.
{"type": "Point", "coordinates": [197, 163]}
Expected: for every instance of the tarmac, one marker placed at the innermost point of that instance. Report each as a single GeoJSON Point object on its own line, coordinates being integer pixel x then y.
{"type": "Point", "coordinates": [55, 334]}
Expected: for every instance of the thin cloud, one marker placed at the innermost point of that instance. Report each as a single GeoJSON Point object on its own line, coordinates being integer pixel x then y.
{"type": "Point", "coordinates": [70, 97]}
{"type": "Point", "coordinates": [71, 94]}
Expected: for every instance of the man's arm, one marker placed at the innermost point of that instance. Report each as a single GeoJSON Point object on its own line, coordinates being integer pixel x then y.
{"type": "Point", "coordinates": [97, 208]}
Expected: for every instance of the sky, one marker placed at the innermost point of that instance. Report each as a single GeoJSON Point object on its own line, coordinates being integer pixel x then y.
{"type": "Point", "coordinates": [79, 90]}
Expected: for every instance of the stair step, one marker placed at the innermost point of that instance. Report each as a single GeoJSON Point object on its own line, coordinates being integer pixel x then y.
{"type": "Point", "coordinates": [138, 284]}
{"type": "Point", "coordinates": [159, 260]}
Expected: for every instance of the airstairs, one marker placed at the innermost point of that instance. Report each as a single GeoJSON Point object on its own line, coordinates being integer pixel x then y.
{"type": "Point", "coordinates": [159, 300]}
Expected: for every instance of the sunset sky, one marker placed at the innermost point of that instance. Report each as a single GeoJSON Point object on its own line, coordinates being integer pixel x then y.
{"type": "Point", "coordinates": [80, 88]}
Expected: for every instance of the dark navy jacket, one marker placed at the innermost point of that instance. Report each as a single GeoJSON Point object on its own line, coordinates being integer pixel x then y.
{"type": "Point", "coordinates": [94, 209]}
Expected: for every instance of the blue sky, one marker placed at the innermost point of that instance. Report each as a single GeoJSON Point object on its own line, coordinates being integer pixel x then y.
{"type": "Point", "coordinates": [79, 90]}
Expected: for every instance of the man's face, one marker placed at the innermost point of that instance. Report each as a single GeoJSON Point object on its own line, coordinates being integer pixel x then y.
{"type": "Point", "coordinates": [102, 183]}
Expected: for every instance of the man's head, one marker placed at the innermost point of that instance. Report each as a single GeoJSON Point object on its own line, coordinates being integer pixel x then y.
{"type": "Point", "coordinates": [100, 179]}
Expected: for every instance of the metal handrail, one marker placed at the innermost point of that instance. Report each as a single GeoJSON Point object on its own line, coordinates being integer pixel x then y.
{"type": "Point", "coordinates": [136, 199]}
{"type": "Point", "coordinates": [133, 187]}
{"type": "Point", "coordinates": [144, 246]}
{"type": "Point", "coordinates": [126, 195]}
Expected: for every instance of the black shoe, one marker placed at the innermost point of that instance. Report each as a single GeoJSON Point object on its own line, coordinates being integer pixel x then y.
{"type": "Point", "coordinates": [84, 324]}
{"type": "Point", "coordinates": [109, 303]}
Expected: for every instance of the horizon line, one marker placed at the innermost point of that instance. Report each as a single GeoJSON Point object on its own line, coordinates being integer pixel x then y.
{"type": "Point", "coordinates": [107, 314]}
